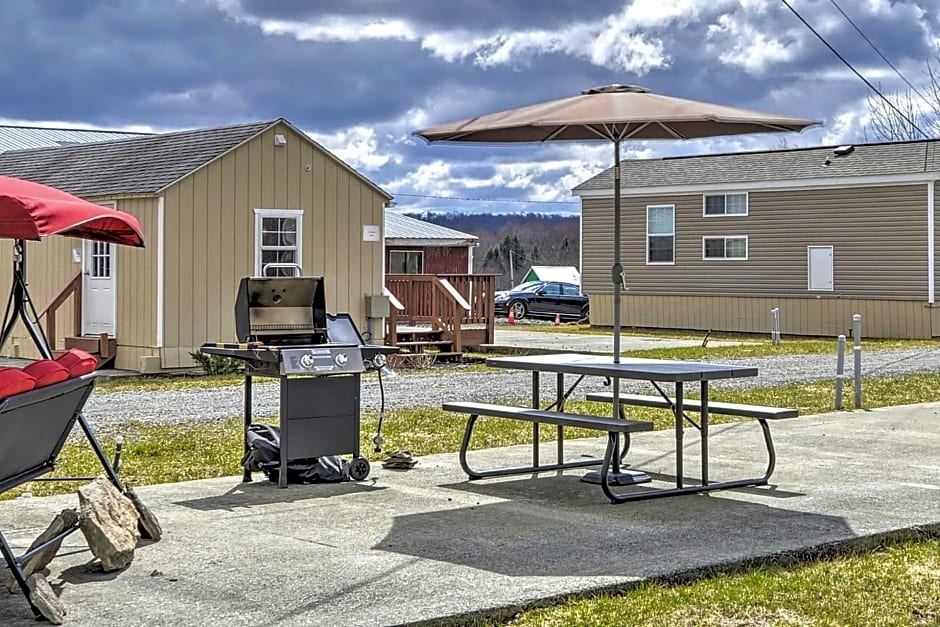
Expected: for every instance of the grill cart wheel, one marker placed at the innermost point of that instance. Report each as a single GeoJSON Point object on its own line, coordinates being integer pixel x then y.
{"type": "Point", "coordinates": [359, 469]}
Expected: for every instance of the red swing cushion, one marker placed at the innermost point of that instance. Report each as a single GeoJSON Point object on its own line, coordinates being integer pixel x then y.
{"type": "Point", "coordinates": [15, 381]}
{"type": "Point", "coordinates": [78, 362]}
{"type": "Point", "coordinates": [46, 372]}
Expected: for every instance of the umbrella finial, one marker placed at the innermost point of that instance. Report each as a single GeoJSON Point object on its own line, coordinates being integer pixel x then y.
{"type": "Point", "coordinates": [616, 88]}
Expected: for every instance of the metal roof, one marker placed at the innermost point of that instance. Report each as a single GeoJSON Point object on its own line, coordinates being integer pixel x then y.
{"type": "Point", "coordinates": [26, 137]}
{"type": "Point", "coordinates": [404, 230]}
{"type": "Point", "coordinates": [142, 165]}
{"type": "Point", "coordinates": [892, 158]}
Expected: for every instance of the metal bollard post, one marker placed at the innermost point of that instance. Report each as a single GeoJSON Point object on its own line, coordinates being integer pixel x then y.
{"type": "Point", "coordinates": [775, 326]}
{"type": "Point", "coordinates": [857, 336]}
{"type": "Point", "coordinates": [840, 371]}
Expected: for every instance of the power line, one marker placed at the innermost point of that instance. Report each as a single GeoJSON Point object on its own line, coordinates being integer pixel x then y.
{"type": "Point", "coordinates": [875, 48]}
{"type": "Point", "coordinates": [856, 72]}
{"type": "Point", "coordinates": [496, 200]}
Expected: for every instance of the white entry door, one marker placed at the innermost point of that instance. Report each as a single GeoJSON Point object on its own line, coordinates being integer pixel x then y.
{"type": "Point", "coordinates": [98, 304]}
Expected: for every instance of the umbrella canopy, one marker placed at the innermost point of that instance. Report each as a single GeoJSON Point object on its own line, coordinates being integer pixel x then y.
{"type": "Point", "coordinates": [30, 211]}
{"type": "Point", "coordinates": [615, 113]}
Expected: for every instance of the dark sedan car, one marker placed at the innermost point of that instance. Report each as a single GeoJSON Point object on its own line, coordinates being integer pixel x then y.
{"type": "Point", "coordinates": [543, 299]}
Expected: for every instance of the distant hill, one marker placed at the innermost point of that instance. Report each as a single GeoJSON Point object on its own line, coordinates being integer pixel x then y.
{"type": "Point", "coordinates": [533, 239]}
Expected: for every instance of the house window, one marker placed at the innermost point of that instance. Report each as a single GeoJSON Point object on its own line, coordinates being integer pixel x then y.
{"type": "Point", "coordinates": [406, 262]}
{"type": "Point", "coordinates": [819, 272]}
{"type": "Point", "coordinates": [278, 240]}
{"type": "Point", "coordinates": [733, 247]}
{"type": "Point", "coordinates": [660, 234]}
{"type": "Point", "coordinates": [726, 204]}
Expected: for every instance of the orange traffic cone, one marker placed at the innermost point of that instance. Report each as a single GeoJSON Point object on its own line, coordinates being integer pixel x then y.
{"type": "Point", "coordinates": [512, 318]}
{"type": "Point", "coordinates": [557, 319]}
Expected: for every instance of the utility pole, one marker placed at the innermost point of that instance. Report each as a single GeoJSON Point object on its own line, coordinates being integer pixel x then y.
{"type": "Point", "coordinates": [512, 279]}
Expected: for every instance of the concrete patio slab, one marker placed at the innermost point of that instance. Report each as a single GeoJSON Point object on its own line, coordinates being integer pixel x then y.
{"type": "Point", "coordinates": [424, 544]}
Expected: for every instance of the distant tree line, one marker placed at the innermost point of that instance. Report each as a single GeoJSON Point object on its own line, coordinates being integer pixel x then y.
{"type": "Point", "coordinates": [528, 239]}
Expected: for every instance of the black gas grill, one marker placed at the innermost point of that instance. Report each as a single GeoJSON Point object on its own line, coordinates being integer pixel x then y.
{"type": "Point", "coordinates": [284, 332]}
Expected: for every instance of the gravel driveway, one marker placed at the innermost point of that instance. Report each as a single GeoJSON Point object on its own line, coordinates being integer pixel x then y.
{"type": "Point", "coordinates": [419, 389]}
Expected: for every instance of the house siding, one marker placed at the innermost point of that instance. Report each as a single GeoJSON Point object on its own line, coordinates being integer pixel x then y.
{"type": "Point", "coordinates": [210, 226]}
{"type": "Point", "coordinates": [737, 295]}
{"type": "Point", "coordinates": [136, 269]}
{"type": "Point", "coordinates": [50, 267]}
{"type": "Point", "coordinates": [437, 259]}
{"type": "Point", "coordinates": [798, 316]}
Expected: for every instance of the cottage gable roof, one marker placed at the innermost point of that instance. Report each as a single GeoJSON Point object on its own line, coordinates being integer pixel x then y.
{"type": "Point", "coordinates": [25, 137]}
{"type": "Point", "coordinates": [142, 165]}
{"type": "Point", "coordinates": [402, 229]}
{"type": "Point", "coordinates": [881, 159]}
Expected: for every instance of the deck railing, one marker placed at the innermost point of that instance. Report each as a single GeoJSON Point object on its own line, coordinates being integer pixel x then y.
{"type": "Point", "coordinates": [459, 305]}
{"type": "Point", "coordinates": [74, 289]}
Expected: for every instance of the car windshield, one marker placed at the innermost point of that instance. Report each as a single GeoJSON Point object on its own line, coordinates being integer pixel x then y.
{"type": "Point", "coordinates": [527, 287]}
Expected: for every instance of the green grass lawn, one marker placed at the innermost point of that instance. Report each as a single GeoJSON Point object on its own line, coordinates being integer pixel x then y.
{"type": "Point", "coordinates": [897, 585]}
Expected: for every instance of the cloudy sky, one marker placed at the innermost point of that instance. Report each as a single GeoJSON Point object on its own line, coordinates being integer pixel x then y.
{"type": "Point", "coordinates": [361, 75]}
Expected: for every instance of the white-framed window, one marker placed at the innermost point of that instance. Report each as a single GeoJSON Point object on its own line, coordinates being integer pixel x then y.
{"type": "Point", "coordinates": [278, 240]}
{"type": "Point", "coordinates": [405, 262]}
{"type": "Point", "coordinates": [724, 204]}
{"type": "Point", "coordinates": [819, 261]}
{"type": "Point", "coordinates": [724, 247]}
{"type": "Point", "coordinates": [660, 234]}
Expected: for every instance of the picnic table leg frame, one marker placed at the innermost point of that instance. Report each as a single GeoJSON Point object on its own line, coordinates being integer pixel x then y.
{"type": "Point", "coordinates": [535, 426]}
{"type": "Point", "coordinates": [703, 430]}
{"type": "Point", "coordinates": [705, 487]}
{"type": "Point", "coordinates": [246, 474]}
{"type": "Point", "coordinates": [516, 470]}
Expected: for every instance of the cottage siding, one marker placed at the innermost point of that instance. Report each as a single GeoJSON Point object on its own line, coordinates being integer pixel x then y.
{"type": "Point", "coordinates": [879, 269]}
{"type": "Point", "coordinates": [136, 288]}
{"type": "Point", "coordinates": [50, 267]}
{"type": "Point", "coordinates": [437, 259]}
{"type": "Point", "coordinates": [210, 222]}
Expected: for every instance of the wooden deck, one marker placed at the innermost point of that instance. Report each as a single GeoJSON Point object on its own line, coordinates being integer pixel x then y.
{"type": "Point", "coordinates": [441, 313]}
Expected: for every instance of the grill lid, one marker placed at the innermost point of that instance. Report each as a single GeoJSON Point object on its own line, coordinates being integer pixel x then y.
{"type": "Point", "coordinates": [281, 310]}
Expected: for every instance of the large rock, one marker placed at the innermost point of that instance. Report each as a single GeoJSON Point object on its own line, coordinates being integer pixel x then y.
{"type": "Point", "coordinates": [45, 599]}
{"type": "Point", "coordinates": [150, 528]}
{"type": "Point", "coordinates": [109, 522]}
{"type": "Point", "coordinates": [66, 519]}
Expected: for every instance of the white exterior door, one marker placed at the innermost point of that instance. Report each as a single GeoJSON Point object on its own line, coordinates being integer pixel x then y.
{"type": "Point", "coordinates": [819, 259]}
{"type": "Point", "coordinates": [98, 294]}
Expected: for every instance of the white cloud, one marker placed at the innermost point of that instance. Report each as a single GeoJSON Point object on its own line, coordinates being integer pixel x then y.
{"type": "Point", "coordinates": [358, 146]}
{"type": "Point", "coordinates": [339, 28]}
{"type": "Point", "coordinates": [742, 44]}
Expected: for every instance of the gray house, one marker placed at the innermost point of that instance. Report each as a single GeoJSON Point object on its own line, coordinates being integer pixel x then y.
{"type": "Point", "coordinates": [717, 241]}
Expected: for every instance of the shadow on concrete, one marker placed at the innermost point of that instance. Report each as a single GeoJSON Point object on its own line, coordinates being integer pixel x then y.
{"type": "Point", "coordinates": [266, 493]}
{"type": "Point", "coordinates": [554, 527]}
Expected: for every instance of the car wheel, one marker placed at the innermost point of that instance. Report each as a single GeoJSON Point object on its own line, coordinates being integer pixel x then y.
{"type": "Point", "coordinates": [518, 309]}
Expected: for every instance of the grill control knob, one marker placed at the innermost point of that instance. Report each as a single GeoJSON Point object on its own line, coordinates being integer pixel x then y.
{"type": "Point", "coordinates": [341, 359]}
{"type": "Point", "coordinates": [306, 361]}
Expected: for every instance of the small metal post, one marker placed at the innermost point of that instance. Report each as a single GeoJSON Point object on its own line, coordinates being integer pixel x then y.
{"type": "Point", "coordinates": [840, 371]}
{"type": "Point", "coordinates": [775, 326]}
{"type": "Point", "coordinates": [857, 336]}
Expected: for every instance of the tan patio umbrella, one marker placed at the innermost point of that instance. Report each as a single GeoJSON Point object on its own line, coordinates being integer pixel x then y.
{"type": "Point", "coordinates": [615, 113]}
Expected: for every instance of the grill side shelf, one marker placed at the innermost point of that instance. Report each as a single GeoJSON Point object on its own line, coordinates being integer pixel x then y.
{"type": "Point", "coordinates": [253, 352]}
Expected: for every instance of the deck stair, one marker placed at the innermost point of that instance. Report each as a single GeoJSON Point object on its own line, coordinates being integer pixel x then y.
{"type": "Point", "coordinates": [426, 340]}
{"type": "Point", "coordinates": [103, 347]}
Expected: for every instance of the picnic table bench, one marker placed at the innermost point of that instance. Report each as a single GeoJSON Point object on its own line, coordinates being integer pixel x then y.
{"type": "Point", "coordinates": [611, 426]}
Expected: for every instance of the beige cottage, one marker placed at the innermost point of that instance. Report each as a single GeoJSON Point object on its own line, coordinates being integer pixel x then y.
{"type": "Point", "coordinates": [717, 241]}
{"type": "Point", "coordinates": [215, 205]}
